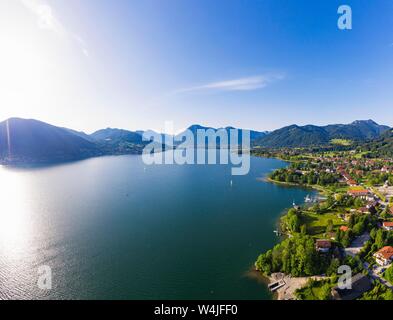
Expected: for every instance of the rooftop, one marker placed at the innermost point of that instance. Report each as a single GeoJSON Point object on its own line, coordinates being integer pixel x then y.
{"type": "Point", "coordinates": [360, 285]}
{"type": "Point", "coordinates": [324, 243]}
{"type": "Point", "coordinates": [386, 252]}
{"type": "Point", "coordinates": [344, 228]}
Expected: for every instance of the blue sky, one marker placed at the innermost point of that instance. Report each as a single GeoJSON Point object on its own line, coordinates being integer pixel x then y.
{"type": "Point", "coordinates": [252, 64]}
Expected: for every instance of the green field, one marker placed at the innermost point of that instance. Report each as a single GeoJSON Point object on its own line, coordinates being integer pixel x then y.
{"type": "Point", "coordinates": [316, 223]}
{"type": "Point", "coordinates": [341, 142]}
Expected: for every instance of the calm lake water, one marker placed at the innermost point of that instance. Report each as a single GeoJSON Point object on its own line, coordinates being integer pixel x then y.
{"type": "Point", "coordinates": [112, 228]}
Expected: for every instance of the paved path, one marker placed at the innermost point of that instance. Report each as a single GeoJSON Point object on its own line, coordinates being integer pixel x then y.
{"type": "Point", "coordinates": [287, 292]}
{"type": "Point", "coordinates": [377, 274]}
{"type": "Point", "coordinates": [357, 244]}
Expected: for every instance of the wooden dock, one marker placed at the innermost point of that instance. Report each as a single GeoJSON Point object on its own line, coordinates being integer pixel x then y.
{"type": "Point", "coordinates": [276, 285]}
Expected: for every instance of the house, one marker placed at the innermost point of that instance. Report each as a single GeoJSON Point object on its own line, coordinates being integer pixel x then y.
{"type": "Point", "coordinates": [387, 225]}
{"type": "Point", "coordinates": [371, 197]}
{"type": "Point", "coordinates": [364, 210]}
{"type": "Point", "coordinates": [385, 169]}
{"type": "Point", "coordinates": [384, 256]}
{"type": "Point", "coordinates": [344, 228]}
{"type": "Point", "coordinates": [363, 193]}
{"type": "Point", "coordinates": [323, 245]}
{"type": "Point", "coordinates": [360, 284]}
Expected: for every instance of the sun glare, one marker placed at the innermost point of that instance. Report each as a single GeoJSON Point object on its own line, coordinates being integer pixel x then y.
{"type": "Point", "coordinates": [29, 57]}
{"type": "Point", "coordinates": [15, 221]}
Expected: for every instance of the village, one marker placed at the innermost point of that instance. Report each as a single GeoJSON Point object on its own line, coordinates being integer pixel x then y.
{"type": "Point", "coordinates": [351, 221]}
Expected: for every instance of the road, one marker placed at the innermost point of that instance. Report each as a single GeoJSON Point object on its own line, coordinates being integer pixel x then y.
{"type": "Point", "coordinates": [357, 244]}
{"type": "Point", "coordinates": [376, 274]}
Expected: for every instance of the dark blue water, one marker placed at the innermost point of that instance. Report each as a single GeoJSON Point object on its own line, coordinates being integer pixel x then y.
{"type": "Point", "coordinates": [113, 228]}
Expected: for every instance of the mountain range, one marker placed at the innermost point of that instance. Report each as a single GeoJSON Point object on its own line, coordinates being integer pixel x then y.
{"type": "Point", "coordinates": [306, 136]}
{"type": "Point", "coordinates": [33, 141]}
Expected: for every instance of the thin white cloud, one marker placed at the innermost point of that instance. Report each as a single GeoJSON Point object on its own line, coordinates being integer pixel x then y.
{"type": "Point", "coordinates": [82, 45]}
{"type": "Point", "coordinates": [46, 19]}
{"type": "Point", "coordinates": [241, 84]}
{"type": "Point", "coordinates": [45, 16]}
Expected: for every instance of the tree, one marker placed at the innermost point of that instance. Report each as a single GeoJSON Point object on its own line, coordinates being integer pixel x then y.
{"type": "Point", "coordinates": [380, 239]}
{"type": "Point", "coordinates": [358, 203]}
{"type": "Point", "coordinates": [330, 226]}
{"type": "Point", "coordinates": [358, 228]}
{"type": "Point", "coordinates": [316, 208]}
{"type": "Point", "coordinates": [293, 220]}
{"type": "Point", "coordinates": [351, 221]}
{"type": "Point", "coordinates": [373, 233]}
{"type": "Point", "coordinates": [388, 275]}
{"type": "Point", "coordinates": [296, 256]}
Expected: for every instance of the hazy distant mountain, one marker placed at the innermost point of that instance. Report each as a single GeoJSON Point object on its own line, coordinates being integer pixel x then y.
{"type": "Point", "coordinates": [80, 134]}
{"type": "Point", "coordinates": [305, 136]}
{"type": "Point", "coordinates": [32, 141]}
{"type": "Point", "coordinates": [114, 135]}
{"type": "Point", "coordinates": [153, 135]}
{"type": "Point", "coordinates": [195, 127]}
{"type": "Point", "coordinates": [118, 141]}
{"type": "Point", "coordinates": [357, 130]}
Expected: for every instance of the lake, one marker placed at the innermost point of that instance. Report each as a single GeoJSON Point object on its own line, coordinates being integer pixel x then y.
{"type": "Point", "coordinates": [113, 228]}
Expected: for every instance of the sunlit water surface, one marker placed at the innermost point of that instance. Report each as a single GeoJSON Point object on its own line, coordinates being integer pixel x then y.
{"type": "Point", "coordinates": [113, 228]}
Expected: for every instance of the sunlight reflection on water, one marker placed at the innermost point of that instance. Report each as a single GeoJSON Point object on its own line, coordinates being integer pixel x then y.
{"type": "Point", "coordinates": [15, 222]}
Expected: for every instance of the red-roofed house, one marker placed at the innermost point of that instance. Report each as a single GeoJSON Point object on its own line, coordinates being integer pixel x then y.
{"type": "Point", "coordinates": [344, 228]}
{"type": "Point", "coordinates": [387, 225]}
{"type": "Point", "coordinates": [323, 245]}
{"type": "Point", "coordinates": [384, 256]}
{"type": "Point", "coordinates": [358, 193]}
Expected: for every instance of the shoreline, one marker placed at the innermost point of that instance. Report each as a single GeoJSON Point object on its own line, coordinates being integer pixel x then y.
{"type": "Point", "coordinates": [292, 184]}
{"type": "Point", "coordinates": [287, 292]}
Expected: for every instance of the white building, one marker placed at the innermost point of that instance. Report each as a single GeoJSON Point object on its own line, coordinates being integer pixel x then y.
{"type": "Point", "coordinates": [384, 256]}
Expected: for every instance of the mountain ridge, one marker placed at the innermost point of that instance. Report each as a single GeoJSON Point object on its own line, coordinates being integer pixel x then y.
{"type": "Point", "coordinates": [311, 135]}
{"type": "Point", "coordinates": [34, 141]}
